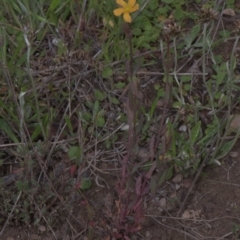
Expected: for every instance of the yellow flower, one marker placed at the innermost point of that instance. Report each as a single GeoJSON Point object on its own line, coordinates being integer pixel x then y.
{"type": "Point", "coordinates": [126, 9]}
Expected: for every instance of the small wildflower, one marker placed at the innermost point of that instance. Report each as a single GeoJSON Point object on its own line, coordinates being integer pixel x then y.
{"type": "Point", "coordinates": [126, 9]}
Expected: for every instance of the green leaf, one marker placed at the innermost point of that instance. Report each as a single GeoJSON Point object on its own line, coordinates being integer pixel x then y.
{"type": "Point", "coordinates": [169, 174]}
{"type": "Point", "coordinates": [140, 40]}
{"type": "Point", "coordinates": [186, 78]}
{"type": "Point", "coordinates": [224, 33]}
{"type": "Point", "coordinates": [154, 104]}
{"type": "Point", "coordinates": [37, 131]}
{"type": "Point", "coordinates": [210, 132]}
{"type": "Point", "coordinates": [147, 26]}
{"type": "Point", "coordinates": [230, 2]}
{"type": "Point", "coordinates": [137, 32]}
{"type": "Point", "coordinates": [195, 132]}
{"type": "Point", "coordinates": [3, 50]}
{"type": "Point", "coordinates": [8, 131]}
{"type": "Point", "coordinates": [226, 148]}
{"type": "Point", "coordinates": [95, 111]}
{"type": "Point", "coordinates": [99, 95]}
{"type": "Point", "coordinates": [179, 14]}
{"type": "Point", "coordinates": [114, 100]}
{"type": "Point", "coordinates": [172, 134]}
{"type": "Point", "coordinates": [107, 72]}
{"type": "Point", "coordinates": [69, 124]}
{"type": "Point", "coordinates": [157, 86]}
{"type": "Point", "coordinates": [217, 95]}
{"type": "Point", "coordinates": [61, 48]}
{"type": "Point", "coordinates": [100, 122]}
{"type": "Point", "coordinates": [179, 163]}
{"type": "Point", "coordinates": [74, 153]}
{"type": "Point", "coordinates": [193, 15]}
{"type": "Point", "coordinates": [163, 11]}
{"type": "Point", "coordinates": [166, 175]}
{"type": "Point", "coordinates": [177, 105]}
{"type": "Point", "coordinates": [194, 33]}
{"type": "Point", "coordinates": [120, 85]}
{"type": "Point", "coordinates": [22, 185]}
{"type": "Point", "coordinates": [153, 4]}
{"type": "Point", "coordinates": [187, 87]}
{"type": "Point", "coordinates": [52, 17]}
{"type": "Point", "coordinates": [86, 117]}
{"type": "Point", "coordinates": [54, 4]}
{"type": "Point", "coordinates": [221, 73]}
{"type": "Point", "coordinates": [89, 104]}
{"type": "Point", "coordinates": [85, 183]}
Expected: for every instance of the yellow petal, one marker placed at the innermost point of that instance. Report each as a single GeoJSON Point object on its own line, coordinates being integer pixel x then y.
{"type": "Point", "coordinates": [117, 12]}
{"type": "Point", "coordinates": [121, 3]}
{"type": "Point", "coordinates": [131, 3]}
{"type": "Point", "coordinates": [135, 8]}
{"type": "Point", "coordinates": [127, 17]}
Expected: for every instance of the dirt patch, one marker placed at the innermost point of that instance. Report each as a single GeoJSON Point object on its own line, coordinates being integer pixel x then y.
{"type": "Point", "coordinates": [217, 198]}
{"type": "Point", "coordinates": [212, 210]}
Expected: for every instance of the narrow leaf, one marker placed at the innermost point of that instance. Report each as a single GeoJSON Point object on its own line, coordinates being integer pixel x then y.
{"type": "Point", "coordinates": [8, 131]}
{"type": "Point", "coordinates": [195, 132]}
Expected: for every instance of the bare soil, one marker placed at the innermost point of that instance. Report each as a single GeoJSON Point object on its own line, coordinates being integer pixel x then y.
{"type": "Point", "coordinates": [211, 212]}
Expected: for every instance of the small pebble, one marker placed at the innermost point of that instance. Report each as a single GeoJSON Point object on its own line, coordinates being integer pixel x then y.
{"type": "Point", "coordinates": [42, 229]}
{"type": "Point", "coordinates": [163, 203]}
{"type": "Point", "coordinates": [233, 154]}
{"type": "Point", "coordinates": [148, 235]}
{"type": "Point", "coordinates": [178, 178]}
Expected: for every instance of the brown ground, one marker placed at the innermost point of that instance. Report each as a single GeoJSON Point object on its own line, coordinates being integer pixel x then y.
{"type": "Point", "coordinates": [211, 212]}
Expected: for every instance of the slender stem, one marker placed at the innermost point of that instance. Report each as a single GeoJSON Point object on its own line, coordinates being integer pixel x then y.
{"type": "Point", "coordinates": [133, 89]}
{"type": "Point", "coordinates": [167, 97]}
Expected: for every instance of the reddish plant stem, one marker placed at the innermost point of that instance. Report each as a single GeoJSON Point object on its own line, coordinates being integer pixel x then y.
{"type": "Point", "coordinates": [132, 106]}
